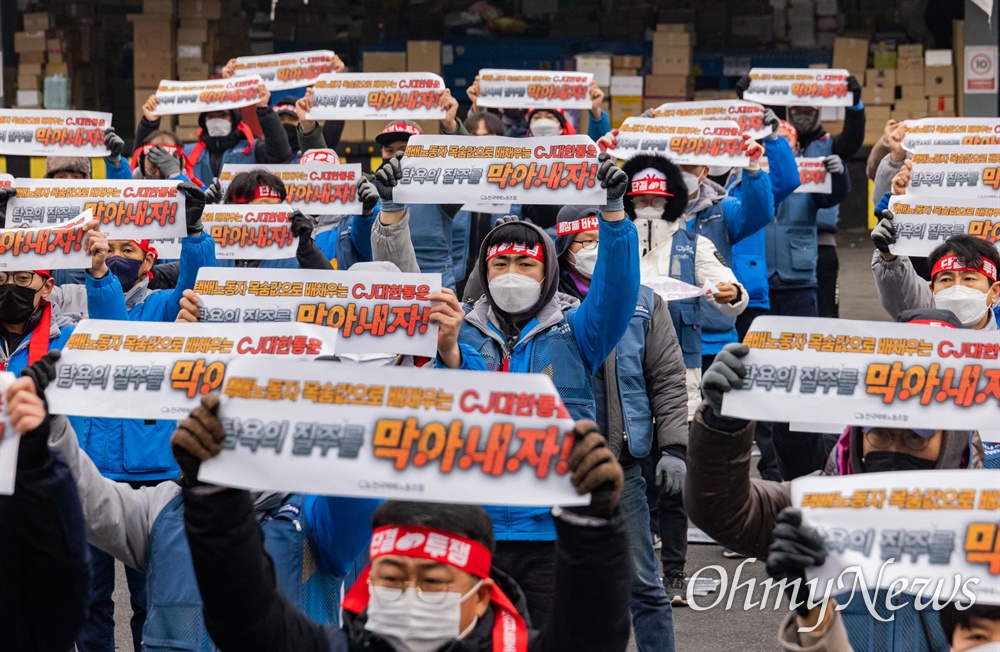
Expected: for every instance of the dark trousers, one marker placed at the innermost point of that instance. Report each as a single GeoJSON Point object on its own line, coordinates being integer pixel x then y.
{"type": "Point", "coordinates": [532, 566]}
{"type": "Point", "coordinates": [746, 318]}
{"type": "Point", "coordinates": [827, 282]}
{"type": "Point", "coordinates": [667, 517]}
{"type": "Point", "coordinates": [794, 301]}
{"type": "Point", "coordinates": [98, 632]}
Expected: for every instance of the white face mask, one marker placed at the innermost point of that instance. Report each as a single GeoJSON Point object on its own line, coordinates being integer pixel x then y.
{"type": "Point", "coordinates": [986, 647]}
{"type": "Point", "coordinates": [218, 127]}
{"type": "Point", "coordinates": [545, 127]}
{"type": "Point", "coordinates": [968, 304]}
{"type": "Point", "coordinates": [410, 624]}
{"type": "Point", "coordinates": [586, 260]}
{"type": "Point", "coordinates": [692, 182]}
{"type": "Point", "coordinates": [515, 293]}
{"type": "Point", "coordinates": [648, 213]}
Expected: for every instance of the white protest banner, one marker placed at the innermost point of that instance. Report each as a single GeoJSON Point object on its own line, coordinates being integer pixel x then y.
{"type": "Point", "coordinates": [37, 132]}
{"type": "Point", "coordinates": [487, 207]}
{"type": "Point", "coordinates": [394, 432]}
{"type": "Point", "coordinates": [555, 170]}
{"type": "Point", "coordinates": [534, 89]}
{"type": "Point", "coordinates": [10, 439]}
{"type": "Point", "coordinates": [956, 172]}
{"type": "Point", "coordinates": [378, 95]}
{"type": "Point", "coordinates": [923, 223]}
{"type": "Point", "coordinates": [373, 312]}
{"type": "Point", "coordinates": [6, 180]}
{"type": "Point", "coordinates": [826, 428]}
{"type": "Point", "coordinates": [951, 132]}
{"type": "Point", "coordinates": [868, 373]}
{"type": "Point", "coordinates": [929, 533]}
{"type": "Point", "coordinates": [250, 231]}
{"type": "Point", "coordinates": [813, 176]}
{"type": "Point", "coordinates": [46, 247]}
{"type": "Point", "coordinates": [126, 209]}
{"type": "Point", "coordinates": [281, 72]}
{"type": "Point", "coordinates": [799, 87]}
{"type": "Point", "coordinates": [683, 141]}
{"type": "Point", "coordinates": [179, 97]}
{"type": "Point", "coordinates": [672, 289]}
{"type": "Point", "coordinates": [153, 370]}
{"type": "Point", "coordinates": [313, 188]}
{"type": "Point", "coordinates": [748, 115]}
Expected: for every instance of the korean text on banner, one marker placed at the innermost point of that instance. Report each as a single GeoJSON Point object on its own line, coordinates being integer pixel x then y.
{"type": "Point", "coordinates": [126, 209]}
{"type": "Point", "coordinates": [748, 115]}
{"type": "Point", "coordinates": [394, 432]}
{"type": "Point", "coordinates": [934, 534]}
{"type": "Point", "coordinates": [46, 247]}
{"type": "Point", "coordinates": [957, 172]}
{"type": "Point", "coordinates": [178, 97]}
{"type": "Point", "coordinates": [287, 70]}
{"type": "Point", "coordinates": [250, 231]}
{"type": "Point", "coordinates": [6, 180]}
{"type": "Point", "coordinates": [813, 176]}
{"type": "Point", "coordinates": [10, 439]}
{"type": "Point", "coordinates": [671, 289]}
{"type": "Point", "coordinates": [150, 370]}
{"type": "Point", "coordinates": [924, 223]}
{"type": "Point", "coordinates": [375, 96]}
{"type": "Point", "coordinates": [798, 87]}
{"type": "Point", "coordinates": [313, 188]}
{"type": "Point", "coordinates": [684, 141]}
{"type": "Point", "coordinates": [534, 89]}
{"type": "Point", "coordinates": [868, 373]}
{"type": "Point", "coordinates": [556, 170]}
{"type": "Point", "coordinates": [373, 312]}
{"type": "Point", "coordinates": [951, 132]}
{"type": "Point", "coordinates": [37, 132]}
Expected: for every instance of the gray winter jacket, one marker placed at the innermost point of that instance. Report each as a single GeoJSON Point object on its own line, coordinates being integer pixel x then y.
{"type": "Point", "coordinates": [883, 176]}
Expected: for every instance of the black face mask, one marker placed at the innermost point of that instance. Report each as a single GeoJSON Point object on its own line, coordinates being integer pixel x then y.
{"type": "Point", "coordinates": [879, 461]}
{"type": "Point", "coordinates": [16, 304]}
{"type": "Point", "coordinates": [293, 139]}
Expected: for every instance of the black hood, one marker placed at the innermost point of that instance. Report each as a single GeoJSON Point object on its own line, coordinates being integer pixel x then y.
{"type": "Point", "coordinates": [221, 144]}
{"type": "Point", "coordinates": [677, 204]}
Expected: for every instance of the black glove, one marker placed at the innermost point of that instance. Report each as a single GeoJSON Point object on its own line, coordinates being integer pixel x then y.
{"type": "Point", "coordinates": [43, 372]}
{"type": "Point", "coordinates": [884, 233]}
{"type": "Point", "coordinates": [794, 549]}
{"type": "Point", "coordinates": [388, 176]}
{"type": "Point", "coordinates": [368, 195]}
{"type": "Point", "coordinates": [302, 226]}
{"type": "Point", "coordinates": [168, 166]}
{"type": "Point", "coordinates": [595, 471]}
{"type": "Point", "coordinates": [742, 84]}
{"type": "Point", "coordinates": [612, 178]}
{"type": "Point", "coordinates": [854, 88]}
{"type": "Point", "coordinates": [197, 438]}
{"type": "Point", "coordinates": [195, 206]}
{"type": "Point", "coordinates": [771, 120]}
{"type": "Point", "coordinates": [506, 219]}
{"type": "Point", "coordinates": [5, 196]}
{"type": "Point", "coordinates": [214, 194]}
{"type": "Point", "coordinates": [725, 374]}
{"type": "Point", "coordinates": [114, 143]}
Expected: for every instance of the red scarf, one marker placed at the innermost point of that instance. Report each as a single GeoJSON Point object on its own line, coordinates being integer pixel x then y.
{"type": "Point", "coordinates": [39, 344]}
{"type": "Point", "coordinates": [510, 634]}
{"type": "Point", "coordinates": [199, 148]}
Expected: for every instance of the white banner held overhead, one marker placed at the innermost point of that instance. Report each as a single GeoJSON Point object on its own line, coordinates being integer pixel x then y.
{"type": "Point", "coordinates": [399, 432]}
{"type": "Point", "coordinates": [957, 172]}
{"type": "Point", "coordinates": [281, 72]}
{"type": "Point", "coordinates": [378, 96]}
{"type": "Point", "coordinates": [799, 87]}
{"type": "Point", "coordinates": [38, 132]}
{"type": "Point", "coordinates": [924, 223]}
{"type": "Point", "coordinates": [813, 175]}
{"type": "Point", "coordinates": [374, 312]}
{"type": "Point", "coordinates": [868, 373]}
{"type": "Point", "coordinates": [933, 534]}
{"type": "Point", "coordinates": [683, 141]}
{"type": "Point", "coordinates": [556, 170]}
{"type": "Point", "coordinates": [179, 97]}
{"type": "Point", "coordinates": [534, 89]}
{"type": "Point", "coordinates": [313, 188]}
{"type": "Point", "coordinates": [250, 231]}
{"type": "Point", "coordinates": [47, 247]}
{"type": "Point", "coordinates": [951, 132]}
{"type": "Point", "coordinates": [748, 115]}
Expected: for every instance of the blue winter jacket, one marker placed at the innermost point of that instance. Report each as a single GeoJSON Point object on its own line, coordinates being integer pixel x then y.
{"type": "Point", "coordinates": [600, 126]}
{"type": "Point", "coordinates": [121, 171]}
{"type": "Point", "coordinates": [350, 241]}
{"type": "Point", "coordinates": [749, 257]}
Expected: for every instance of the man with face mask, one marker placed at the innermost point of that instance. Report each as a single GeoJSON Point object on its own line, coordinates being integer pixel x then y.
{"type": "Point", "coordinates": [408, 599]}
{"type": "Point", "coordinates": [26, 319]}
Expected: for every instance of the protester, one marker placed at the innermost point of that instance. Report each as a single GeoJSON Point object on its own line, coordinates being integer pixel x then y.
{"type": "Point", "coordinates": [519, 123]}
{"type": "Point", "coordinates": [890, 157]}
{"type": "Point", "coordinates": [479, 608]}
{"type": "Point", "coordinates": [28, 321]}
{"type": "Point", "coordinates": [162, 156]}
{"type": "Point", "coordinates": [45, 572]}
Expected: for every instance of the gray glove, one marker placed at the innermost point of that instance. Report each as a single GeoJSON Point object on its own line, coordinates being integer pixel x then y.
{"type": "Point", "coordinates": [506, 219]}
{"type": "Point", "coordinates": [115, 145]}
{"type": "Point", "coordinates": [884, 233]}
{"type": "Point", "coordinates": [670, 472]}
{"type": "Point", "coordinates": [388, 176]}
{"type": "Point", "coordinates": [834, 164]}
{"type": "Point", "coordinates": [168, 166]}
{"type": "Point", "coordinates": [725, 374]}
{"type": "Point", "coordinates": [648, 113]}
{"type": "Point", "coordinates": [368, 195]}
{"type": "Point", "coordinates": [771, 119]}
{"type": "Point", "coordinates": [614, 180]}
{"type": "Point", "coordinates": [794, 549]}
{"type": "Point", "coordinates": [214, 194]}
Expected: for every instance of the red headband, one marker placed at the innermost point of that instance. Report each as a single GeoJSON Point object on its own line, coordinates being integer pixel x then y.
{"type": "Point", "coordinates": [260, 192]}
{"type": "Point", "coordinates": [516, 249]}
{"type": "Point", "coordinates": [787, 126]}
{"type": "Point", "coordinates": [953, 264]}
{"type": "Point", "coordinates": [401, 128]}
{"type": "Point", "coordinates": [931, 322]}
{"type": "Point", "coordinates": [509, 630]}
{"type": "Point", "coordinates": [590, 223]}
{"type": "Point", "coordinates": [285, 108]}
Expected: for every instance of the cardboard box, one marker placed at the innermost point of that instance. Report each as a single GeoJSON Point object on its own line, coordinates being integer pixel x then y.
{"type": "Point", "coordinates": [210, 9]}
{"type": "Point", "coordinates": [354, 132]}
{"type": "Point", "coordinates": [597, 64]}
{"type": "Point", "coordinates": [622, 86]}
{"type": "Point", "coordinates": [151, 37]}
{"type": "Point", "coordinates": [30, 42]}
{"type": "Point", "coordinates": [196, 51]}
{"type": "Point", "coordinates": [31, 69]}
{"type": "Point", "coordinates": [29, 98]}
{"type": "Point", "coordinates": [714, 94]}
{"type": "Point", "coordinates": [38, 21]}
{"type": "Point", "coordinates": [140, 97]}
{"type": "Point", "coordinates": [623, 61]}
{"type": "Point", "coordinates": [668, 85]}
{"type": "Point", "coordinates": [675, 27]}
{"type": "Point", "coordinates": [373, 128]}
{"type": "Point", "coordinates": [159, 7]}
{"type": "Point", "coordinates": [671, 61]}
{"type": "Point", "coordinates": [29, 82]}
{"type": "Point", "coordinates": [912, 92]}
{"type": "Point", "coordinates": [880, 77]}
{"type": "Point", "coordinates": [192, 70]}
{"type": "Point", "coordinates": [958, 54]}
{"type": "Point", "coordinates": [912, 109]}
{"type": "Point", "coordinates": [56, 68]}
{"type": "Point", "coordinates": [663, 40]}
{"type": "Point", "coordinates": [423, 56]}
{"type": "Point", "coordinates": [624, 107]}
{"type": "Point", "coordinates": [910, 73]}
{"type": "Point", "coordinates": [878, 95]}
{"type": "Point", "coordinates": [910, 51]}
{"type": "Point", "coordinates": [656, 102]}
{"type": "Point", "coordinates": [624, 72]}
{"type": "Point", "coordinates": [935, 58]}
{"type": "Point", "coordinates": [32, 57]}
{"type": "Point", "coordinates": [187, 134]}
{"type": "Point", "coordinates": [187, 120]}
{"type": "Point", "coordinates": [851, 54]}
{"type": "Point", "coordinates": [151, 69]}
{"type": "Point", "coordinates": [192, 36]}
{"type": "Point", "coordinates": [939, 80]}
{"type": "Point", "coordinates": [940, 106]}
{"type": "Point", "coordinates": [384, 62]}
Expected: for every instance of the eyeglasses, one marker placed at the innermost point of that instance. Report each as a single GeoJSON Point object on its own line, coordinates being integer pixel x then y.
{"type": "Point", "coordinates": [647, 201]}
{"type": "Point", "coordinates": [390, 589]}
{"type": "Point", "coordinates": [883, 439]}
{"type": "Point", "coordinates": [20, 279]}
{"type": "Point", "coordinates": [586, 243]}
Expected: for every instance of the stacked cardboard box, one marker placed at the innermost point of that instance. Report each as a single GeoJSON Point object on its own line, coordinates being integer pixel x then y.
{"type": "Point", "coordinates": [626, 88]}
{"type": "Point", "coordinates": [851, 54]}
{"type": "Point", "coordinates": [670, 79]}
{"type": "Point", "coordinates": [939, 83]}
{"type": "Point", "coordinates": [880, 87]}
{"type": "Point", "coordinates": [379, 62]}
{"type": "Point", "coordinates": [32, 47]}
{"type": "Point", "coordinates": [424, 56]}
